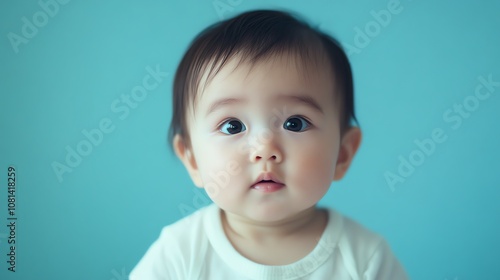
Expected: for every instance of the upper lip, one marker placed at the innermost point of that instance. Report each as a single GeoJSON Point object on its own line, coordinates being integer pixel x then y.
{"type": "Point", "coordinates": [267, 176]}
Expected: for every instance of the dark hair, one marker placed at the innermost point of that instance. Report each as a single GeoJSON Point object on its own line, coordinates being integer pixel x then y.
{"type": "Point", "coordinates": [257, 35]}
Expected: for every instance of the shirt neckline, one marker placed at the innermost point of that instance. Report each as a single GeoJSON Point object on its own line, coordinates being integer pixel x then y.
{"type": "Point", "coordinates": [223, 247]}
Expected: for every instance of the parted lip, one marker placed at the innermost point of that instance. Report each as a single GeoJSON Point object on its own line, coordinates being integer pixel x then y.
{"type": "Point", "coordinates": [267, 176]}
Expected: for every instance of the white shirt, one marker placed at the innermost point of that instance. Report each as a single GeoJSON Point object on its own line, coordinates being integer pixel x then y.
{"type": "Point", "coordinates": [196, 247]}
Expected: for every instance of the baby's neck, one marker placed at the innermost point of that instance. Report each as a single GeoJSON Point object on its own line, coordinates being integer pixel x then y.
{"type": "Point", "coordinates": [275, 243]}
{"type": "Point", "coordinates": [254, 230]}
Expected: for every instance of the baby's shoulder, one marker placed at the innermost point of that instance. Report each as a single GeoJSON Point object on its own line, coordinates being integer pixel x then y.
{"type": "Point", "coordinates": [355, 232]}
{"type": "Point", "coordinates": [179, 245]}
{"type": "Point", "coordinates": [365, 252]}
{"type": "Point", "coordinates": [185, 231]}
{"type": "Point", "coordinates": [182, 242]}
{"type": "Point", "coordinates": [354, 240]}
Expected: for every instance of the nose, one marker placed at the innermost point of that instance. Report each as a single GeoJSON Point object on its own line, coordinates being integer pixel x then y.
{"type": "Point", "coordinates": [266, 151]}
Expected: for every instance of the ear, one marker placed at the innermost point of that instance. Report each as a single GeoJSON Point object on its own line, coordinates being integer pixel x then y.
{"type": "Point", "coordinates": [348, 148]}
{"type": "Point", "coordinates": [186, 156]}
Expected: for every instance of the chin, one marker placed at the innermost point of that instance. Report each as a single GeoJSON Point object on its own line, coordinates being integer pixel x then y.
{"type": "Point", "coordinates": [271, 214]}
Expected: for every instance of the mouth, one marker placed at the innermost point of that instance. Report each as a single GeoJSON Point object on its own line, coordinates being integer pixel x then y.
{"type": "Point", "coordinates": [267, 186]}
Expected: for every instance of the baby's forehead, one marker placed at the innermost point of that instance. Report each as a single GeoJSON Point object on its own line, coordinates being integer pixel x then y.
{"type": "Point", "coordinates": [271, 82]}
{"type": "Point", "coordinates": [279, 66]}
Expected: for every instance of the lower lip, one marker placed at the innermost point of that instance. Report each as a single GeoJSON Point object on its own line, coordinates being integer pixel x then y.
{"type": "Point", "coordinates": [268, 187]}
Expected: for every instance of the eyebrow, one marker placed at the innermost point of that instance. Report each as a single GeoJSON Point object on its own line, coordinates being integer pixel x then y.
{"type": "Point", "coordinates": [221, 103]}
{"type": "Point", "coordinates": [300, 99]}
{"type": "Point", "coordinates": [303, 99]}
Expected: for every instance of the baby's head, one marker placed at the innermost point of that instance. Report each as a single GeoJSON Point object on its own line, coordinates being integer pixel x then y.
{"type": "Point", "coordinates": [264, 94]}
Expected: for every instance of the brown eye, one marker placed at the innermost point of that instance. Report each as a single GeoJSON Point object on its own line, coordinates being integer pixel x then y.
{"type": "Point", "coordinates": [296, 124]}
{"type": "Point", "coordinates": [232, 127]}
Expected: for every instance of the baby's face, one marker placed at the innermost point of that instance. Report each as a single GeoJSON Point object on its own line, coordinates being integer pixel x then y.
{"type": "Point", "coordinates": [262, 128]}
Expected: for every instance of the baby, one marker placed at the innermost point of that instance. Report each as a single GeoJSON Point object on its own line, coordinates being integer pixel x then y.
{"type": "Point", "coordinates": [262, 112]}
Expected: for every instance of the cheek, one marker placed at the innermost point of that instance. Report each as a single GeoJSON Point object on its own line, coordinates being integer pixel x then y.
{"type": "Point", "coordinates": [315, 167]}
{"type": "Point", "coordinates": [219, 168]}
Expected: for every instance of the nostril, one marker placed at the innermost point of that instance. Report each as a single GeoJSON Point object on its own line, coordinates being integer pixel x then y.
{"type": "Point", "coordinates": [273, 157]}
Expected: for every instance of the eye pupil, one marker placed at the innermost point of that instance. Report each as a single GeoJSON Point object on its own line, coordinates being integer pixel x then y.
{"type": "Point", "coordinates": [292, 124]}
{"type": "Point", "coordinates": [233, 127]}
{"type": "Point", "coordinates": [295, 124]}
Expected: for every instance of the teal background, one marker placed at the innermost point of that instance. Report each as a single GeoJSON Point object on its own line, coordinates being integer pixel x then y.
{"type": "Point", "coordinates": [442, 221]}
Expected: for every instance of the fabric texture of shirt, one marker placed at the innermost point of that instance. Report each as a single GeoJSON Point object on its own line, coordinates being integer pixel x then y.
{"type": "Point", "coordinates": [196, 248]}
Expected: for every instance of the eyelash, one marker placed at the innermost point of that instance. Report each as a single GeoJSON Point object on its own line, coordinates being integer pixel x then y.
{"type": "Point", "coordinates": [309, 123]}
{"type": "Point", "coordinates": [219, 126]}
{"type": "Point", "coordinates": [305, 118]}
